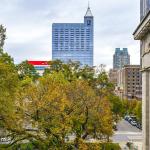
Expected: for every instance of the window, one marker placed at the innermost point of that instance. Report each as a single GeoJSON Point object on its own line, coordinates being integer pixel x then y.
{"type": "Point", "coordinates": [88, 22]}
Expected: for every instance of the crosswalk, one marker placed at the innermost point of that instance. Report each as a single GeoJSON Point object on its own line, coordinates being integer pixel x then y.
{"type": "Point", "coordinates": [127, 133]}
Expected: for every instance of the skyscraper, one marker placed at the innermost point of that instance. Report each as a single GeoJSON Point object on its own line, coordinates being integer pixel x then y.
{"type": "Point", "coordinates": [121, 58]}
{"type": "Point", "coordinates": [142, 33]}
{"type": "Point", "coordinates": [74, 41]}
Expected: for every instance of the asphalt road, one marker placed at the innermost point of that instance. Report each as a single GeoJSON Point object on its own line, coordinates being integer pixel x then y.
{"type": "Point", "coordinates": [126, 126]}
{"type": "Point", "coordinates": [126, 132]}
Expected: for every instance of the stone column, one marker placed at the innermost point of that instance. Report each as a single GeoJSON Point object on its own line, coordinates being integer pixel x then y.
{"type": "Point", "coordinates": [146, 108]}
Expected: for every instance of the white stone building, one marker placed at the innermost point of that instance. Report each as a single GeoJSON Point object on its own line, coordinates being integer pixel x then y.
{"type": "Point", "coordinates": [142, 33]}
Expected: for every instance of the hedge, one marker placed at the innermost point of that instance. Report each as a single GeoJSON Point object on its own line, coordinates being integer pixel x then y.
{"type": "Point", "coordinates": [86, 146]}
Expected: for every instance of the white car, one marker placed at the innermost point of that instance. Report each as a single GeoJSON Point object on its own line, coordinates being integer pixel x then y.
{"type": "Point", "coordinates": [126, 117]}
{"type": "Point", "coordinates": [134, 123]}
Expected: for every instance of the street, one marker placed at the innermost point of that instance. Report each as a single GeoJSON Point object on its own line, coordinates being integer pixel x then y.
{"type": "Point", "coordinates": [126, 132]}
{"type": "Point", "coordinates": [126, 126]}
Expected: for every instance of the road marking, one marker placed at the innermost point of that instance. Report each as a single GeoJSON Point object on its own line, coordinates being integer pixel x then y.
{"type": "Point", "coordinates": [127, 133]}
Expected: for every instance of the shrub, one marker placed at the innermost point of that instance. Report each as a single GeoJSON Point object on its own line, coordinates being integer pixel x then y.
{"type": "Point", "coordinates": [68, 146]}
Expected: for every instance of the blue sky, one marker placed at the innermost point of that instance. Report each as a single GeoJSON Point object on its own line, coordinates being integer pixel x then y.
{"type": "Point", "coordinates": [29, 26]}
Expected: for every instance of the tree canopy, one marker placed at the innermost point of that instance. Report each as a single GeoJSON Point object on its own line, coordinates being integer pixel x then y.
{"type": "Point", "coordinates": [68, 101]}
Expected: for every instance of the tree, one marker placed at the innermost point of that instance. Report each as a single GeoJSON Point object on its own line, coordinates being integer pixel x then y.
{"type": "Point", "coordinates": [44, 107]}
{"type": "Point", "coordinates": [70, 70]}
{"type": "Point", "coordinates": [129, 106]}
{"type": "Point", "coordinates": [138, 111]}
{"type": "Point", "coordinates": [116, 107]}
{"type": "Point", "coordinates": [68, 99]}
{"type": "Point", "coordinates": [55, 66]}
{"type": "Point", "coordinates": [133, 107]}
{"type": "Point", "coordinates": [26, 70]}
{"type": "Point", "coordinates": [53, 108]}
{"type": "Point", "coordinates": [2, 35]}
{"type": "Point", "coordinates": [5, 58]}
{"type": "Point", "coordinates": [8, 85]}
{"type": "Point", "coordinates": [10, 119]}
{"type": "Point", "coordinates": [91, 115]}
{"type": "Point", "coordinates": [8, 89]}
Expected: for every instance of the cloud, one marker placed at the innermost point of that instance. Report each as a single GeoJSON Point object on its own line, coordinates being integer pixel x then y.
{"type": "Point", "coordinates": [29, 26]}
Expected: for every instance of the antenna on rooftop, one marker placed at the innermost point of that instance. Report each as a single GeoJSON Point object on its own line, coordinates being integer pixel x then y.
{"type": "Point", "coordinates": [88, 4]}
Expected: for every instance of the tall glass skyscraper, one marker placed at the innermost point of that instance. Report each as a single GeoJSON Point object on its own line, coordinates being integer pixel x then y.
{"type": "Point", "coordinates": [74, 41]}
{"type": "Point", "coordinates": [121, 58]}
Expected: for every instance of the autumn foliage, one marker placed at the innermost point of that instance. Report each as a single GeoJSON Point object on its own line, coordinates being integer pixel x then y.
{"type": "Point", "coordinates": [68, 104]}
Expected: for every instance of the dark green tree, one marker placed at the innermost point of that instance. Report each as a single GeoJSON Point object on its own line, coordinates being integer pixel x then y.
{"type": "Point", "coordinates": [2, 35]}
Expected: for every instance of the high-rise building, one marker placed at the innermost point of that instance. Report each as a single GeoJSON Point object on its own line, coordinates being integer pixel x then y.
{"type": "Point", "coordinates": [74, 41]}
{"type": "Point", "coordinates": [129, 82]}
{"type": "Point", "coordinates": [142, 33]}
{"type": "Point", "coordinates": [121, 58]}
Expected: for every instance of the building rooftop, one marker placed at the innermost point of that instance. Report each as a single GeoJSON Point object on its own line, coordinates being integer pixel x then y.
{"type": "Point", "coordinates": [131, 66]}
{"type": "Point", "coordinates": [88, 12]}
{"type": "Point", "coordinates": [41, 63]}
{"type": "Point", "coordinates": [142, 28]}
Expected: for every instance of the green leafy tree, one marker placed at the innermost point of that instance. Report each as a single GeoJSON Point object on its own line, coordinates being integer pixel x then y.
{"type": "Point", "coordinates": [138, 111]}
{"type": "Point", "coordinates": [68, 99]}
{"type": "Point", "coordinates": [8, 89]}
{"type": "Point", "coordinates": [91, 115]}
{"type": "Point", "coordinates": [5, 58]}
{"type": "Point", "coordinates": [116, 107]}
{"type": "Point", "coordinates": [70, 70]}
{"type": "Point", "coordinates": [26, 70]}
{"type": "Point", "coordinates": [2, 35]}
{"type": "Point", "coordinates": [54, 108]}
{"type": "Point", "coordinates": [44, 107]}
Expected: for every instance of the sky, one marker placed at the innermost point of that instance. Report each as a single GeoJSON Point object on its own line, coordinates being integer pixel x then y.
{"type": "Point", "coordinates": [29, 26]}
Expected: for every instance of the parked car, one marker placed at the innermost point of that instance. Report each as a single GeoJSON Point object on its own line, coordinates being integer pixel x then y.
{"type": "Point", "coordinates": [126, 117]}
{"type": "Point", "coordinates": [134, 123]}
{"type": "Point", "coordinates": [115, 126]}
{"type": "Point", "coordinates": [139, 126]}
{"type": "Point", "coordinates": [133, 118]}
{"type": "Point", "coordinates": [130, 119]}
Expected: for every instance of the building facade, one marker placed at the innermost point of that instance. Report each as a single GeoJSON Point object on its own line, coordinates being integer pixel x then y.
{"type": "Point", "coordinates": [129, 82]}
{"type": "Point", "coordinates": [144, 8]}
{"type": "Point", "coordinates": [142, 33]}
{"type": "Point", "coordinates": [121, 58]}
{"type": "Point", "coordinates": [74, 41]}
{"type": "Point", "coordinates": [39, 66]}
{"type": "Point", "coordinates": [113, 76]}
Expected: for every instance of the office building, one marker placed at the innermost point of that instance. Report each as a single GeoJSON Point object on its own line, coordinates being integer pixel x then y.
{"type": "Point", "coordinates": [121, 58]}
{"type": "Point", "coordinates": [142, 33]}
{"type": "Point", "coordinates": [129, 82]}
{"type": "Point", "coordinates": [74, 41]}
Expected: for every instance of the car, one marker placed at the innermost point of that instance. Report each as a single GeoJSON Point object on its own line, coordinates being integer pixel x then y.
{"type": "Point", "coordinates": [115, 126]}
{"type": "Point", "coordinates": [130, 119]}
{"type": "Point", "coordinates": [134, 123]}
{"type": "Point", "coordinates": [126, 117]}
{"type": "Point", "coordinates": [139, 126]}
